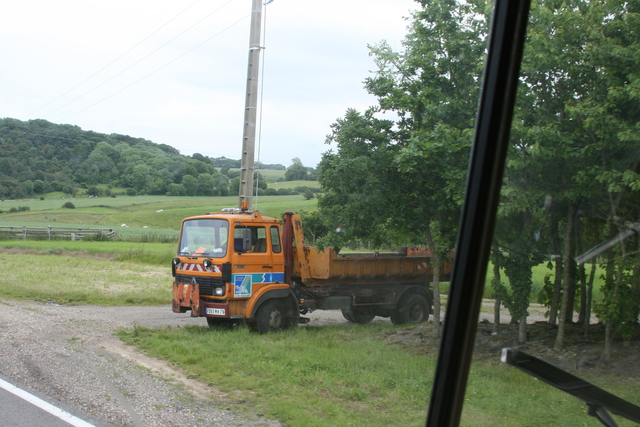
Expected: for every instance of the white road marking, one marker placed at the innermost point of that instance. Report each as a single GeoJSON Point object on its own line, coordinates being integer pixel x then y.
{"type": "Point", "coordinates": [45, 406]}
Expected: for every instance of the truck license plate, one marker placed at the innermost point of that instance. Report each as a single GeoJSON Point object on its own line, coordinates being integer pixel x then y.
{"type": "Point", "coordinates": [216, 311]}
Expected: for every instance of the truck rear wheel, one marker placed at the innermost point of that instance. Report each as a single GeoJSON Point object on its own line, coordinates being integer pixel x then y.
{"type": "Point", "coordinates": [271, 316]}
{"type": "Point", "coordinates": [358, 315]}
{"type": "Point", "coordinates": [411, 309]}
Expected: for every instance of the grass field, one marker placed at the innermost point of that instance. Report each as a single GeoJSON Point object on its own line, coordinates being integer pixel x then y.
{"type": "Point", "coordinates": [270, 175]}
{"type": "Point", "coordinates": [307, 376]}
{"type": "Point", "coordinates": [294, 184]}
{"type": "Point", "coordinates": [349, 376]}
{"type": "Point", "coordinates": [136, 212]}
{"type": "Point", "coordinates": [74, 278]}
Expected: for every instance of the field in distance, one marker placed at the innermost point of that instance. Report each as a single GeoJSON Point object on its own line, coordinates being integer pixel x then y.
{"type": "Point", "coordinates": [138, 213]}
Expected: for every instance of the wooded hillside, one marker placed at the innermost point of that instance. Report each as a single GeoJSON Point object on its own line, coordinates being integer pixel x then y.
{"type": "Point", "coordinates": [38, 157]}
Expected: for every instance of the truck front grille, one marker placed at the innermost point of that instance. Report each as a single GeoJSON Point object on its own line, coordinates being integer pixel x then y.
{"type": "Point", "coordinates": [206, 284]}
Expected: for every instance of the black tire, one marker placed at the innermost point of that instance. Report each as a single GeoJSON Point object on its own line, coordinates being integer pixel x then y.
{"type": "Point", "coordinates": [271, 316]}
{"type": "Point", "coordinates": [413, 308]}
{"type": "Point", "coordinates": [358, 315]}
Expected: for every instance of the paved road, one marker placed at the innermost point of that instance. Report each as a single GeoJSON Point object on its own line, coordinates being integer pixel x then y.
{"type": "Point", "coordinates": [22, 408]}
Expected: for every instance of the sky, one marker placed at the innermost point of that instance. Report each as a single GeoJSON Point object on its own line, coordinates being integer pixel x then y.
{"type": "Point", "coordinates": [174, 72]}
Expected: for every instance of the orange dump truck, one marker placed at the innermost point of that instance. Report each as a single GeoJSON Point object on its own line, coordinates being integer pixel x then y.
{"type": "Point", "coordinates": [238, 266]}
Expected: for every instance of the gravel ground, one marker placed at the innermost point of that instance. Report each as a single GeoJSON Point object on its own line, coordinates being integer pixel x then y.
{"type": "Point", "coordinates": [70, 354]}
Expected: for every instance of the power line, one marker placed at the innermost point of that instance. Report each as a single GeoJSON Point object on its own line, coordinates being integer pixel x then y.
{"type": "Point", "coordinates": [138, 61]}
{"type": "Point", "coordinates": [110, 63]}
{"type": "Point", "coordinates": [264, 38]}
{"type": "Point", "coordinates": [157, 69]}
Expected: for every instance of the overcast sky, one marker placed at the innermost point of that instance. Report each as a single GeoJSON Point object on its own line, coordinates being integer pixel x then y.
{"type": "Point", "coordinates": [174, 72]}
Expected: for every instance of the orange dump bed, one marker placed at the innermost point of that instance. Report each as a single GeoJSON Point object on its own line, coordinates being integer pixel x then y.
{"type": "Point", "coordinates": [327, 268]}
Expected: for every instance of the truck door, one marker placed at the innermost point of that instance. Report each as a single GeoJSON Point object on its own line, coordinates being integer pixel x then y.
{"type": "Point", "coordinates": [277, 254]}
{"type": "Point", "coordinates": [252, 260]}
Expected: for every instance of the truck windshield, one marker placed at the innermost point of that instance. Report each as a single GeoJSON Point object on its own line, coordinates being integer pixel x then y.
{"type": "Point", "coordinates": [204, 237]}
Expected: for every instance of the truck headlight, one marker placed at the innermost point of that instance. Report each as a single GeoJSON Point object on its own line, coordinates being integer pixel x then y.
{"type": "Point", "coordinates": [218, 291]}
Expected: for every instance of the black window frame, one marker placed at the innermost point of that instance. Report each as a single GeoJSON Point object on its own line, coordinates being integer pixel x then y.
{"type": "Point", "coordinates": [491, 140]}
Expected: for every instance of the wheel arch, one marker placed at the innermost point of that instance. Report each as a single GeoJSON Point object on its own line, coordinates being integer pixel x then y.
{"type": "Point", "coordinates": [286, 295]}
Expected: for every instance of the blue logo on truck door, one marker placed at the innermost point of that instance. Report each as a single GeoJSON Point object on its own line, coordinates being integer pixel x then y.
{"type": "Point", "coordinates": [242, 285]}
{"type": "Point", "coordinates": [243, 282]}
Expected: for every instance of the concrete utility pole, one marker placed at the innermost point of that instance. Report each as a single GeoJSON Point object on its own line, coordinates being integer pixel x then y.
{"type": "Point", "coordinates": [251, 107]}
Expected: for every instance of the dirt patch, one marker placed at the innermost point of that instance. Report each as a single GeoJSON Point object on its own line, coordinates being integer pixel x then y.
{"type": "Point", "coordinates": [581, 356]}
{"type": "Point", "coordinates": [195, 387]}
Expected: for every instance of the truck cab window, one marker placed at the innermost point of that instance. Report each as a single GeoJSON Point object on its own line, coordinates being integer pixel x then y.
{"type": "Point", "coordinates": [204, 237]}
{"type": "Point", "coordinates": [257, 242]}
{"type": "Point", "coordinates": [275, 240]}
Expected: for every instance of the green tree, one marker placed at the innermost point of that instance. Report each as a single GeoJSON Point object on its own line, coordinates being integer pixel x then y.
{"type": "Point", "coordinates": [433, 87]}
{"type": "Point", "coordinates": [360, 180]}
{"type": "Point", "coordinates": [221, 186]}
{"type": "Point", "coordinates": [176, 190]}
{"type": "Point", "coordinates": [609, 113]}
{"type": "Point", "coordinates": [205, 185]}
{"type": "Point", "coordinates": [93, 191]}
{"type": "Point", "coordinates": [40, 187]}
{"type": "Point", "coordinates": [296, 171]}
{"type": "Point", "coordinates": [259, 181]}
{"type": "Point", "coordinates": [190, 184]}
{"type": "Point", "coordinates": [138, 177]}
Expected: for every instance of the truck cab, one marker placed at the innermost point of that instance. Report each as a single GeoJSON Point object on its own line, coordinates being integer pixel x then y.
{"type": "Point", "coordinates": [228, 265]}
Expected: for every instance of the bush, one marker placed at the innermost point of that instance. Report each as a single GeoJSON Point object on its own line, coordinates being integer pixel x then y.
{"type": "Point", "coordinates": [23, 208]}
{"type": "Point", "coordinates": [301, 189]}
{"type": "Point", "coordinates": [68, 205]}
{"type": "Point", "coordinates": [93, 191]}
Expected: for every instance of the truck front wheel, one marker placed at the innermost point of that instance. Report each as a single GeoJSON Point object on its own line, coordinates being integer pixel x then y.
{"type": "Point", "coordinates": [271, 316]}
{"type": "Point", "coordinates": [411, 309]}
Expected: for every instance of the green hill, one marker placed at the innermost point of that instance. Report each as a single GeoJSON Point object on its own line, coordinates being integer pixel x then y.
{"type": "Point", "coordinates": [38, 157]}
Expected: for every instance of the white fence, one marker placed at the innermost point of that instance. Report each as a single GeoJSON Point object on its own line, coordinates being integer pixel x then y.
{"type": "Point", "coordinates": [54, 233]}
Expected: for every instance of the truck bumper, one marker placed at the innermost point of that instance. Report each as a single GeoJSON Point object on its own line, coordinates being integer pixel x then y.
{"type": "Point", "coordinates": [186, 296]}
{"type": "Point", "coordinates": [218, 310]}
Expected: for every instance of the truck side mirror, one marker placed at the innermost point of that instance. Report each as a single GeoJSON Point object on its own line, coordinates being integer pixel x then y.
{"type": "Point", "coordinates": [226, 272]}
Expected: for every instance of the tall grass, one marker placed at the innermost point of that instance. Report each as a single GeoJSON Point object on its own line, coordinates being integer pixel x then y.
{"type": "Point", "coordinates": [153, 253]}
{"type": "Point", "coordinates": [77, 279]}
